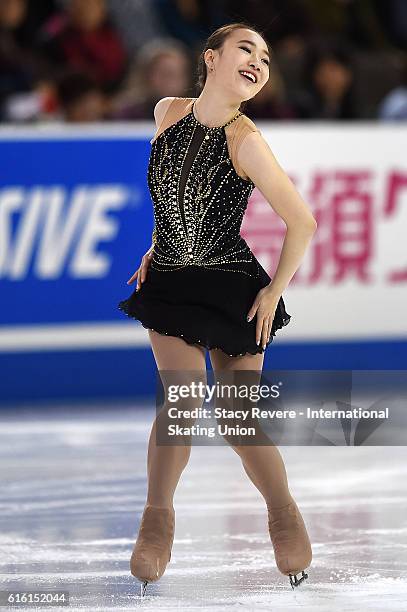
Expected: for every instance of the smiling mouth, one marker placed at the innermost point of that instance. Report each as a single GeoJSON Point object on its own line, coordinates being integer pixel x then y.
{"type": "Point", "coordinates": [252, 79]}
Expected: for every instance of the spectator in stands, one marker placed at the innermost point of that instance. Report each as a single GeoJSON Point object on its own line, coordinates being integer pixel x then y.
{"type": "Point", "coordinates": [81, 98]}
{"type": "Point", "coordinates": [36, 14]}
{"type": "Point", "coordinates": [358, 22]}
{"type": "Point", "coordinates": [137, 21]}
{"type": "Point", "coordinates": [394, 105]}
{"type": "Point", "coordinates": [162, 69]}
{"type": "Point", "coordinates": [17, 71]}
{"type": "Point", "coordinates": [82, 38]}
{"type": "Point", "coordinates": [285, 23]}
{"type": "Point", "coordinates": [329, 78]}
{"type": "Point", "coordinates": [190, 21]}
{"type": "Point", "coordinates": [393, 19]}
{"type": "Point", "coordinates": [12, 13]}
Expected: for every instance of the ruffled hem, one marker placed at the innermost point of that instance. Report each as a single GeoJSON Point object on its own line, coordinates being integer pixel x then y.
{"type": "Point", "coordinates": [189, 340]}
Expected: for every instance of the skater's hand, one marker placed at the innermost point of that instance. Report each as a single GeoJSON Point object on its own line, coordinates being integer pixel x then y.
{"type": "Point", "coordinates": [264, 305]}
{"type": "Point", "coordinates": [141, 273]}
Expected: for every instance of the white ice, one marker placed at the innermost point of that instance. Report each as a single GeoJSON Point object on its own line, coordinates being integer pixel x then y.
{"type": "Point", "coordinates": [73, 486]}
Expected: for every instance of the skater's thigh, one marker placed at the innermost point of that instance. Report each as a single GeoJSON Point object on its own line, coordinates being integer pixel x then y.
{"type": "Point", "coordinates": [242, 373]}
{"type": "Point", "coordinates": [180, 365]}
{"type": "Point", "coordinates": [173, 353]}
{"type": "Point", "coordinates": [221, 361]}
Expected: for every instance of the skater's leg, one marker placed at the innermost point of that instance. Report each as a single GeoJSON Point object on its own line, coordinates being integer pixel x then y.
{"type": "Point", "coordinates": [166, 463]}
{"type": "Point", "coordinates": [265, 467]}
{"type": "Point", "coordinates": [263, 464]}
{"type": "Point", "coordinates": [178, 363]}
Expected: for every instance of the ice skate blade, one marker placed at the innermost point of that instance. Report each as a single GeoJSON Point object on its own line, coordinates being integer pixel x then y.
{"type": "Point", "coordinates": [294, 580]}
{"type": "Point", "coordinates": [143, 587]}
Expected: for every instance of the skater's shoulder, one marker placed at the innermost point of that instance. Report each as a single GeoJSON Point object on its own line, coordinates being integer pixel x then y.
{"type": "Point", "coordinates": [169, 111]}
{"type": "Point", "coordinates": [242, 126]}
{"type": "Point", "coordinates": [236, 134]}
{"type": "Point", "coordinates": [170, 103]}
{"type": "Point", "coordinates": [247, 123]}
{"type": "Point", "coordinates": [161, 108]}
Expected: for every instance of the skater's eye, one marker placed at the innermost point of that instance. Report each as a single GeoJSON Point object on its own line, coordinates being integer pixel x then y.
{"type": "Point", "coordinates": [249, 51]}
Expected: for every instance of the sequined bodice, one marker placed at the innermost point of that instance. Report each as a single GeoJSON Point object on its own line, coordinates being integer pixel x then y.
{"type": "Point", "coordinates": [199, 200]}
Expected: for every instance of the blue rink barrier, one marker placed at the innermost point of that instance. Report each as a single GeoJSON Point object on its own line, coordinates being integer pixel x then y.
{"type": "Point", "coordinates": [124, 374]}
{"type": "Point", "coordinates": [75, 219]}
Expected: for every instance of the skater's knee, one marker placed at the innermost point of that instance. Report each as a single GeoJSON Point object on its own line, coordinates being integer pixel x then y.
{"type": "Point", "coordinates": [182, 413]}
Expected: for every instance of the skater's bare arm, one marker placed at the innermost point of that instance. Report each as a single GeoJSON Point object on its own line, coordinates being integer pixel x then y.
{"type": "Point", "coordinates": [260, 165]}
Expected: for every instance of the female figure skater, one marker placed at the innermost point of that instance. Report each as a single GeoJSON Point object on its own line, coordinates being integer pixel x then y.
{"type": "Point", "coordinates": [200, 287]}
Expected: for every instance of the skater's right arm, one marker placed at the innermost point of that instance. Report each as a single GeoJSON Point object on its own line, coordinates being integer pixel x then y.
{"type": "Point", "coordinates": [160, 111]}
{"type": "Point", "coordinates": [141, 273]}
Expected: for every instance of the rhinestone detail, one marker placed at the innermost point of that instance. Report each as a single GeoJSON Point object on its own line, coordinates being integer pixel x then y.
{"type": "Point", "coordinates": [199, 200]}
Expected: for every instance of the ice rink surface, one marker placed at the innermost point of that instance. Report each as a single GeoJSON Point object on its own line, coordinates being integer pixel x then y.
{"type": "Point", "coordinates": [73, 487]}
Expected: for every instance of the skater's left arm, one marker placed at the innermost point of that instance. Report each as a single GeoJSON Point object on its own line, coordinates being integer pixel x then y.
{"type": "Point", "coordinates": [259, 163]}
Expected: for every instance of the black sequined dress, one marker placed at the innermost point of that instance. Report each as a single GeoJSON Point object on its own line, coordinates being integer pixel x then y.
{"type": "Point", "coordinates": [203, 277]}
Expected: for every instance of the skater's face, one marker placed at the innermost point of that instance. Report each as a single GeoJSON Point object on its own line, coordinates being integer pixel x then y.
{"type": "Point", "coordinates": [243, 50]}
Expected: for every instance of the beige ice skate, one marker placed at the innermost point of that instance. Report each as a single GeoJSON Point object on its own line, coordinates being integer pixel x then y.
{"type": "Point", "coordinates": [292, 547]}
{"type": "Point", "coordinates": [152, 551]}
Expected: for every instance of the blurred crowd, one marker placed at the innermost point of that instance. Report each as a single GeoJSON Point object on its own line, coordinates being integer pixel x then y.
{"type": "Point", "coordinates": [109, 60]}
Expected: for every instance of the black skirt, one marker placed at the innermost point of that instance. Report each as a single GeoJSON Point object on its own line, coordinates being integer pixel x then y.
{"type": "Point", "coordinates": [203, 306]}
